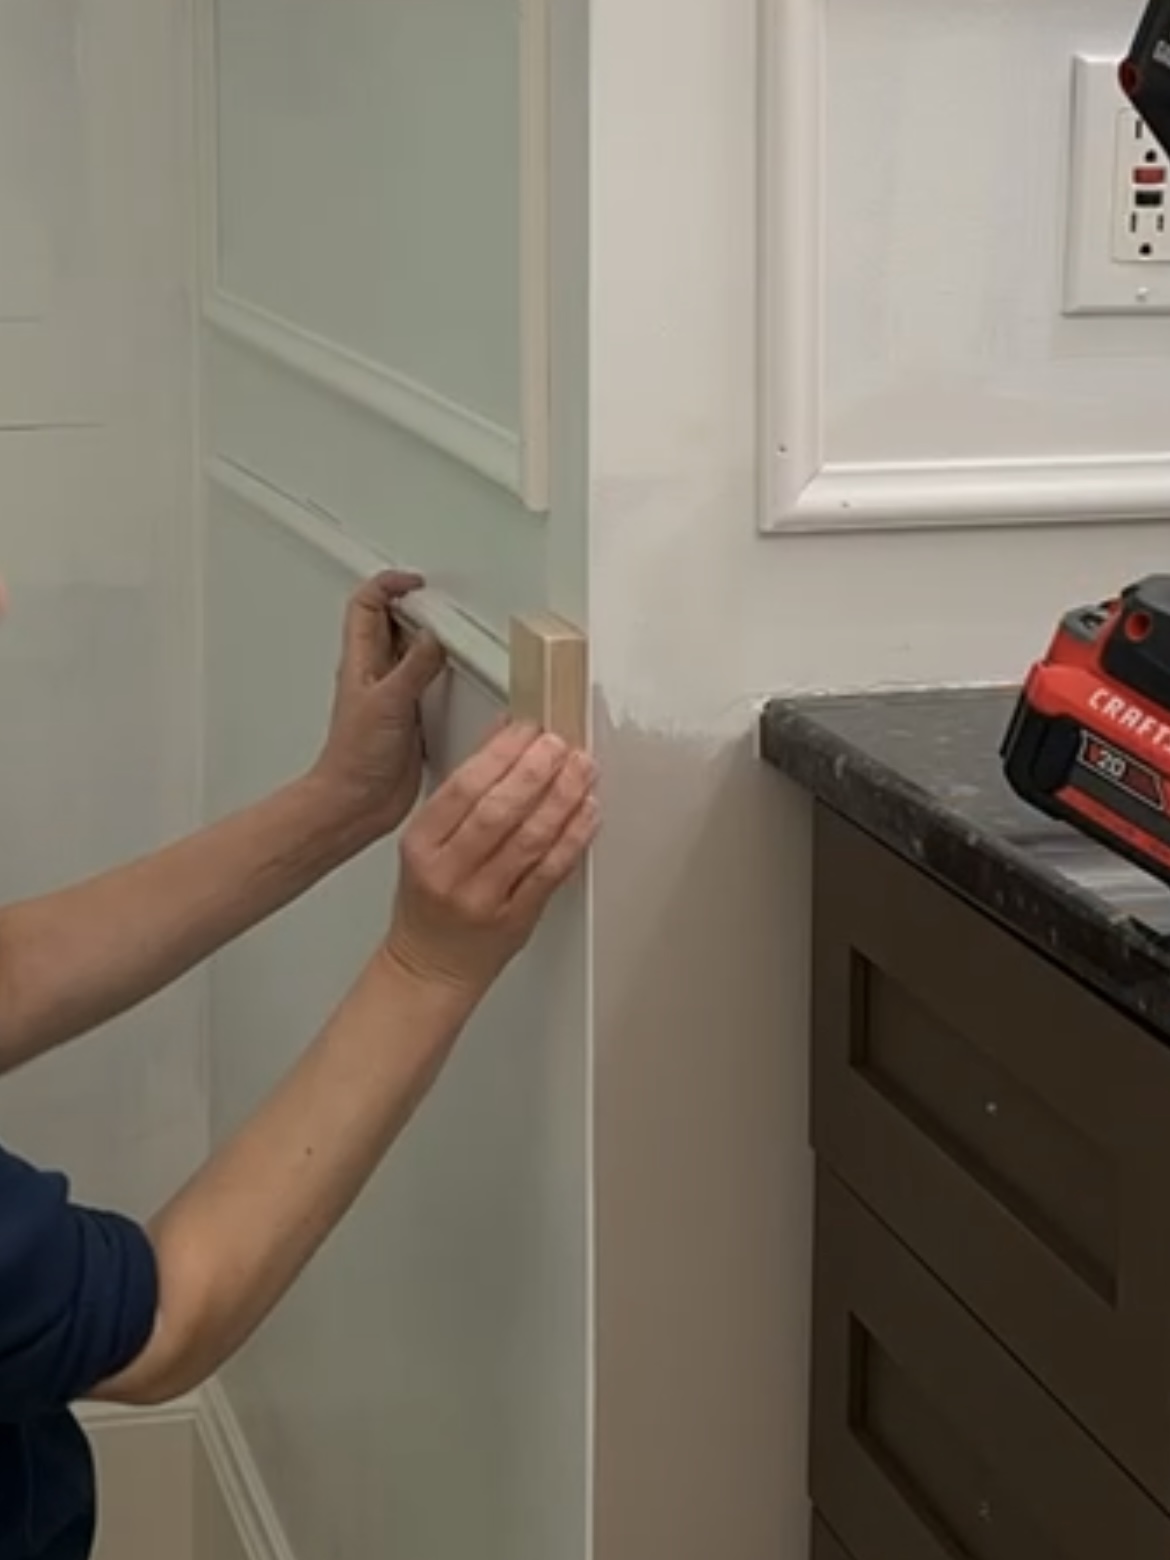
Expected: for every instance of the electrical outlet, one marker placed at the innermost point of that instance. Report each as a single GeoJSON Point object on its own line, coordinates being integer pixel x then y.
{"type": "Point", "coordinates": [1117, 259]}
{"type": "Point", "coordinates": [1141, 189]}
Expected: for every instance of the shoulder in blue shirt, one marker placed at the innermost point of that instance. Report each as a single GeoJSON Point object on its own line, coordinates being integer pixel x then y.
{"type": "Point", "coordinates": [78, 1296]}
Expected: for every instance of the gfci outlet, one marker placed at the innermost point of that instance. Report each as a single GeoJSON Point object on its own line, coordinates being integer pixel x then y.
{"type": "Point", "coordinates": [1117, 258]}
{"type": "Point", "coordinates": [1141, 188]}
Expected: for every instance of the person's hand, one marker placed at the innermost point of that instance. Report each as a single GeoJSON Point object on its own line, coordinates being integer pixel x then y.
{"type": "Point", "coordinates": [372, 758]}
{"type": "Point", "coordinates": [481, 859]}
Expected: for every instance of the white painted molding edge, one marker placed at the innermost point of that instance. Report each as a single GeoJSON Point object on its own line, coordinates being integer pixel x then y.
{"type": "Point", "coordinates": [801, 492]}
{"type": "Point", "coordinates": [535, 278]}
{"type": "Point", "coordinates": [229, 1458]}
{"type": "Point", "coordinates": [519, 463]}
{"type": "Point", "coordinates": [473, 649]}
{"type": "Point", "coordinates": [253, 1515]}
{"type": "Point", "coordinates": [487, 449]}
{"type": "Point", "coordinates": [791, 301]}
{"type": "Point", "coordinates": [979, 495]}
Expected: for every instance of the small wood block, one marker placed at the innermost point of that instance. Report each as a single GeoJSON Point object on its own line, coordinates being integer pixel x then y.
{"type": "Point", "coordinates": [549, 676]}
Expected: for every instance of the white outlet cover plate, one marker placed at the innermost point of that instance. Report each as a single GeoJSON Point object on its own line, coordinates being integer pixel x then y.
{"type": "Point", "coordinates": [1095, 283]}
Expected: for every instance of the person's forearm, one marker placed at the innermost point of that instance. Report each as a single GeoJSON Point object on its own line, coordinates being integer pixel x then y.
{"type": "Point", "coordinates": [234, 1240]}
{"type": "Point", "coordinates": [73, 959]}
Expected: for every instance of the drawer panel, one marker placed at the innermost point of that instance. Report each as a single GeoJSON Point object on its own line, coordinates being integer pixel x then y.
{"type": "Point", "coordinates": [1008, 1125]}
{"type": "Point", "coordinates": [1050, 1175]}
{"type": "Point", "coordinates": [929, 1440]}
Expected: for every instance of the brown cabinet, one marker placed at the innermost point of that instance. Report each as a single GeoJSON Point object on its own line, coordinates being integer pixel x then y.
{"type": "Point", "coordinates": [992, 1343]}
{"type": "Point", "coordinates": [824, 1545]}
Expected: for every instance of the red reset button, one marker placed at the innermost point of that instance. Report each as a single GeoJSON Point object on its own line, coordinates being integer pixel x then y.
{"type": "Point", "coordinates": [1149, 175]}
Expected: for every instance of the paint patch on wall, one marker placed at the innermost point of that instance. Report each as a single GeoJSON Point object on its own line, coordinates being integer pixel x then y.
{"type": "Point", "coordinates": [702, 1174]}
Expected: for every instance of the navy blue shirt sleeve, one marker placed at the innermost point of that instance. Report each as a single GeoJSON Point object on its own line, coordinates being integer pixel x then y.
{"type": "Point", "coordinates": [78, 1293]}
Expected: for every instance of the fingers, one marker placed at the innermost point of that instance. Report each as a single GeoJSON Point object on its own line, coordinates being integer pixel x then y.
{"type": "Point", "coordinates": [421, 662]}
{"type": "Point", "coordinates": [518, 818]}
{"type": "Point", "coordinates": [558, 863]}
{"type": "Point", "coordinates": [392, 584]}
{"type": "Point", "coordinates": [505, 809]}
{"type": "Point", "coordinates": [468, 787]}
{"type": "Point", "coordinates": [367, 641]}
{"type": "Point", "coordinates": [540, 828]}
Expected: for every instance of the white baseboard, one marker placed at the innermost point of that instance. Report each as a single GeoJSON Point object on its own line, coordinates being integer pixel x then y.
{"type": "Point", "coordinates": [185, 1466]}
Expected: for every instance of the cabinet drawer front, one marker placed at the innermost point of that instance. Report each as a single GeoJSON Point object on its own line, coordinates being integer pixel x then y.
{"type": "Point", "coordinates": [929, 1439]}
{"type": "Point", "coordinates": [1008, 1125]}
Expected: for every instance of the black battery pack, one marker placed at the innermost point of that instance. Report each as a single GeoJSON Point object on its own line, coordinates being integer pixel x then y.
{"type": "Point", "coordinates": [1145, 72]}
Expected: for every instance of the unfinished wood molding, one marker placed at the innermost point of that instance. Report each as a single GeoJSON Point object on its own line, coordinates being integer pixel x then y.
{"type": "Point", "coordinates": [549, 676]}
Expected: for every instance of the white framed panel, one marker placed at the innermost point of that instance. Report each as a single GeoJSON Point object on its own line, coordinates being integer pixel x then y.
{"type": "Point", "coordinates": [404, 499]}
{"type": "Point", "coordinates": [455, 349]}
{"type": "Point", "coordinates": [842, 448]}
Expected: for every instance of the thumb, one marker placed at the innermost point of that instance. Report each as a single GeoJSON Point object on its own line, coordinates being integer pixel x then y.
{"type": "Point", "coordinates": [420, 664]}
{"type": "Point", "coordinates": [366, 641]}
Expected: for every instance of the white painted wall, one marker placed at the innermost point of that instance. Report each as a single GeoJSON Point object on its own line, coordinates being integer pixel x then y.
{"type": "Point", "coordinates": [97, 688]}
{"type": "Point", "coordinates": [702, 876]}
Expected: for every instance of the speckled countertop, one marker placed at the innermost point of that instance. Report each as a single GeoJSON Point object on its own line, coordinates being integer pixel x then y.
{"type": "Point", "coordinates": [921, 772]}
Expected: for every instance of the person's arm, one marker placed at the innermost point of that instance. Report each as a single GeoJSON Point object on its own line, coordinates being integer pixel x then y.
{"type": "Point", "coordinates": [479, 863]}
{"type": "Point", "coordinates": [71, 960]}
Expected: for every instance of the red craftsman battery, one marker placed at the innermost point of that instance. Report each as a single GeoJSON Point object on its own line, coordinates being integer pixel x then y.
{"type": "Point", "coordinates": [1090, 738]}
